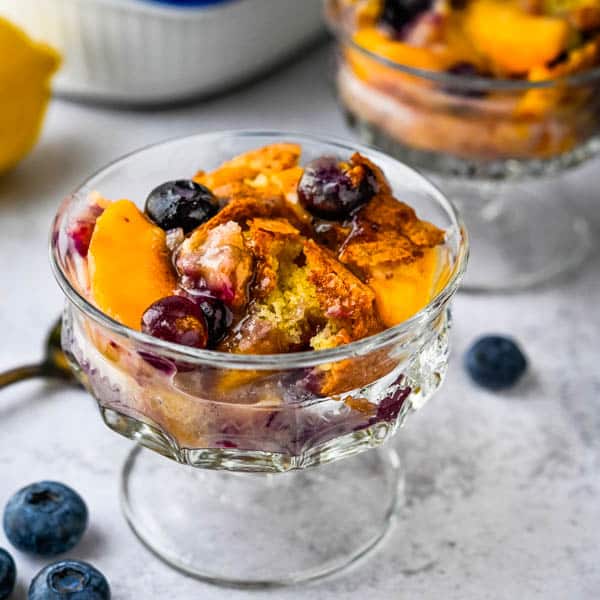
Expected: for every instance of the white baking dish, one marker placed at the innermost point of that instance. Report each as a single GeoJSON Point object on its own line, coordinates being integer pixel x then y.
{"type": "Point", "coordinates": [139, 52]}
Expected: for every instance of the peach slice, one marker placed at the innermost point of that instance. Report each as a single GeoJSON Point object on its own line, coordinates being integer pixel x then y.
{"type": "Point", "coordinates": [513, 40]}
{"type": "Point", "coordinates": [388, 77]}
{"type": "Point", "coordinates": [401, 53]}
{"type": "Point", "coordinates": [129, 263]}
{"type": "Point", "coordinates": [403, 289]}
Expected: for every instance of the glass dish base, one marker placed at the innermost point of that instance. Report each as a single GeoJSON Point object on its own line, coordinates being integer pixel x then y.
{"type": "Point", "coordinates": [522, 234]}
{"type": "Point", "coordinates": [256, 530]}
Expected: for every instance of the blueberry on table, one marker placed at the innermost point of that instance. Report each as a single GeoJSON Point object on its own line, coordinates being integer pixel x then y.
{"type": "Point", "coordinates": [495, 362]}
{"type": "Point", "coordinates": [45, 518]}
{"type": "Point", "coordinates": [398, 13]}
{"type": "Point", "coordinates": [8, 574]}
{"type": "Point", "coordinates": [69, 579]}
{"type": "Point", "coordinates": [183, 203]}
{"type": "Point", "coordinates": [332, 190]}
{"type": "Point", "coordinates": [178, 320]}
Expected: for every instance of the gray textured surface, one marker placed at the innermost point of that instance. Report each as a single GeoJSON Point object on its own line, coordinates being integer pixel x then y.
{"type": "Point", "coordinates": [504, 490]}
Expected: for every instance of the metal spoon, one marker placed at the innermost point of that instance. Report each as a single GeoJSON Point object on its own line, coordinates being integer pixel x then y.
{"type": "Point", "coordinates": [54, 365]}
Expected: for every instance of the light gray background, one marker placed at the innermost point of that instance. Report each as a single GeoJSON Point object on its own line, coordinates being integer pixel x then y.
{"type": "Point", "coordinates": [503, 490]}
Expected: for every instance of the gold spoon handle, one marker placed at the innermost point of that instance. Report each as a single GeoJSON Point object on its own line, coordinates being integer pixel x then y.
{"type": "Point", "coordinates": [22, 373]}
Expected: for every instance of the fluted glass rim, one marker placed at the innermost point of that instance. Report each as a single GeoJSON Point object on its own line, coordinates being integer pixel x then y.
{"type": "Point", "coordinates": [309, 358]}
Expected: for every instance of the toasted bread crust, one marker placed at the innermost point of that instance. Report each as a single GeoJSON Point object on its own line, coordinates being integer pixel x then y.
{"type": "Point", "coordinates": [342, 296]}
{"type": "Point", "coordinates": [232, 177]}
{"type": "Point", "coordinates": [268, 239]}
{"type": "Point", "coordinates": [387, 231]}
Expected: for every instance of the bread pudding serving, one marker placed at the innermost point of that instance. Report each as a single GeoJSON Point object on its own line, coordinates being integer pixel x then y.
{"type": "Point", "coordinates": [264, 256]}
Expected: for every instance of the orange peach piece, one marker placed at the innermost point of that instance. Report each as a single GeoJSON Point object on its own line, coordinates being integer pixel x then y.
{"type": "Point", "coordinates": [402, 290]}
{"type": "Point", "coordinates": [403, 54]}
{"type": "Point", "coordinates": [513, 40]}
{"type": "Point", "coordinates": [129, 263]}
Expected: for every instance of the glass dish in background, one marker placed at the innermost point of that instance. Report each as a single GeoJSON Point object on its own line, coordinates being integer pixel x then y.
{"type": "Point", "coordinates": [497, 146]}
{"type": "Point", "coordinates": [238, 418]}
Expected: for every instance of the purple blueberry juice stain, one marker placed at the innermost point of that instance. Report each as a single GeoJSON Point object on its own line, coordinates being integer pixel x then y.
{"type": "Point", "coordinates": [159, 362]}
{"type": "Point", "coordinates": [227, 444]}
{"type": "Point", "coordinates": [271, 419]}
{"type": "Point", "coordinates": [389, 408]}
{"type": "Point", "coordinates": [81, 236]}
{"type": "Point", "coordinates": [81, 230]}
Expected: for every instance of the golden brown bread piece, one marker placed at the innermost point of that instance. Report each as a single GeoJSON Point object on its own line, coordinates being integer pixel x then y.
{"type": "Point", "coordinates": [243, 209]}
{"type": "Point", "coordinates": [228, 252]}
{"type": "Point", "coordinates": [274, 157]}
{"type": "Point", "coordinates": [343, 297]}
{"type": "Point", "coordinates": [271, 241]}
{"type": "Point", "coordinates": [302, 297]}
{"type": "Point", "coordinates": [386, 230]}
{"type": "Point", "coordinates": [233, 178]}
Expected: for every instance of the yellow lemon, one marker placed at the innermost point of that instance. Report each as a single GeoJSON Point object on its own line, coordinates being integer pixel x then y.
{"type": "Point", "coordinates": [25, 71]}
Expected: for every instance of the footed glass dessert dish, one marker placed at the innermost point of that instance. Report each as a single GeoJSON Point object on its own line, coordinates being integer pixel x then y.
{"type": "Point", "coordinates": [495, 99]}
{"type": "Point", "coordinates": [256, 492]}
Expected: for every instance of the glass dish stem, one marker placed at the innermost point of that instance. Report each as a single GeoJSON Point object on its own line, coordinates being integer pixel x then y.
{"type": "Point", "coordinates": [257, 530]}
{"type": "Point", "coordinates": [523, 233]}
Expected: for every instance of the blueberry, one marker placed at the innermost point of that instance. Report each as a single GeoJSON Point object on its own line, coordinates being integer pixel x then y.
{"type": "Point", "coordinates": [495, 362]}
{"type": "Point", "coordinates": [464, 69]}
{"type": "Point", "coordinates": [399, 13]}
{"type": "Point", "coordinates": [176, 319]}
{"type": "Point", "coordinates": [69, 579]}
{"type": "Point", "coordinates": [328, 190]}
{"type": "Point", "coordinates": [182, 203]}
{"type": "Point", "coordinates": [217, 314]}
{"type": "Point", "coordinates": [8, 574]}
{"type": "Point", "coordinates": [45, 518]}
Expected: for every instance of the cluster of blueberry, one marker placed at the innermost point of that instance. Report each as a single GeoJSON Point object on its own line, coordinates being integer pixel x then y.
{"type": "Point", "coordinates": [198, 319]}
{"type": "Point", "coordinates": [47, 519]}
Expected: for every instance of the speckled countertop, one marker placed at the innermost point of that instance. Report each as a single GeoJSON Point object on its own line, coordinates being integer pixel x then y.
{"type": "Point", "coordinates": [503, 490]}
